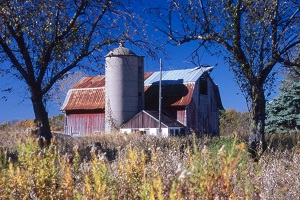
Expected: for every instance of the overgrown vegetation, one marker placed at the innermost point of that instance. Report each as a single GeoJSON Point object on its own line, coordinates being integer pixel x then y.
{"type": "Point", "coordinates": [232, 121]}
{"type": "Point", "coordinates": [56, 124]}
{"type": "Point", "coordinates": [141, 167]}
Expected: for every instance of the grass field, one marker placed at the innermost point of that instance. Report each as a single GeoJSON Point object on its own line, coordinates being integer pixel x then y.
{"type": "Point", "coordinates": [115, 166]}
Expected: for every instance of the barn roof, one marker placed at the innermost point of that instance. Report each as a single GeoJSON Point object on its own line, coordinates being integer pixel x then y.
{"type": "Point", "coordinates": [177, 90]}
{"type": "Point", "coordinates": [85, 99]}
{"type": "Point", "coordinates": [177, 76]}
{"type": "Point", "coordinates": [172, 95]}
{"type": "Point", "coordinates": [154, 115]}
{"type": "Point", "coordinates": [90, 82]}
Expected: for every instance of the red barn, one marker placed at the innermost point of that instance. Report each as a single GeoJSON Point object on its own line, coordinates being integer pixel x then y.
{"type": "Point", "coordinates": [190, 103]}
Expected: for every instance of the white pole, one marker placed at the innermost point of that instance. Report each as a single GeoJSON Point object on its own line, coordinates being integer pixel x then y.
{"type": "Point", "coordinates": [159, 100]}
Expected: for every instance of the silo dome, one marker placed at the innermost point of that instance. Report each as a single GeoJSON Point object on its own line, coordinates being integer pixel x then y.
{"type": "Point", "coordinates": [121, 51]}
{"type": "Point", "coordinates": [124, 82]}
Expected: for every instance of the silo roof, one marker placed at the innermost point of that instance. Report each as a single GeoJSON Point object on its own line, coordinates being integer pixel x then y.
{"type": "Point", "coordinates": [121, 51]}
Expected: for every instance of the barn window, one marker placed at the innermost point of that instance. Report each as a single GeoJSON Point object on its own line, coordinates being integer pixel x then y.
{"type": "Point", "coordinates": [203, 85]}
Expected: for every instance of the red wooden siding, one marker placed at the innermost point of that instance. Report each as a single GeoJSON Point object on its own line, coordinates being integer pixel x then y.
{"type": "Point", "coordinates": [149, 119]}
{"type": "Point", "coordinates": [85, 123]}
{"type": "Point", "coordinates": [142, 120]}
{"type": "Point", "coordinates": [181, 116]}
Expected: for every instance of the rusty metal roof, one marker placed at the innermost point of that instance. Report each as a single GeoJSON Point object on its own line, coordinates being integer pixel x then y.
{"type": "Point", "coordinates": [147, 75]}
{"type": "Point", "coordinates": [177, 90]}
{"type": "Point", "coordinates": [94, 98]}
{"type": "Point", "coordinates": [90, 82]}
{"type": "Point", "coordinates": [172, 95]}
{"type": "Point", "coordinates": [85, 99]}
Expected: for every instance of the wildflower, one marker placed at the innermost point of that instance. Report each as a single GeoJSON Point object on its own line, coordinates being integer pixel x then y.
{"type": "Point", "coordinates": [67, 158]}
{"type": "Point", "coordinates": [205, 150]}
{"type": "Point", "coordinates": [93, 150]}
{"type": "Point", "coordinates": [76, 147]}
{"type": "Point", "coordinates": [222, 150]}
{"type": "Point", "coordinates": [102, 157]}
{"type": "Point", "coordinates": [184, 175]}
{"type": "Point", "coordinates": [41, 154]}
{"type": "Point", "coordinates": [170, 176]}
{"type": "Point", "coordinates": [179, 168]}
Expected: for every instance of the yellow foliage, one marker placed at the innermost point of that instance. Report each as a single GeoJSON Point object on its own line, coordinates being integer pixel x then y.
{"type": "Point", "coordinates": [44, 174]}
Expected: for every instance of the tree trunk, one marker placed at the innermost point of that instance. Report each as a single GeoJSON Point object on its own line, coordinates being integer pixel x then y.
{"type": "Point", "coordinates": [257, 143]}
{"type": "Point", "coordinates": [41, 117]}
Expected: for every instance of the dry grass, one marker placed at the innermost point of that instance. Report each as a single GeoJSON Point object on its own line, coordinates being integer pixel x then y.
{"type": "Point", "coordinates": [117, 166]}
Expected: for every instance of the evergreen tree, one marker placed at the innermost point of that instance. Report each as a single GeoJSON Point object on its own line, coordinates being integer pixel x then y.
{"type": "Point", "coordinates": [283, 113]}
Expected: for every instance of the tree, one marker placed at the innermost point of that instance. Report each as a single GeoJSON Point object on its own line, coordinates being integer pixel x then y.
{"type": "Point", "coordinates": [254, 36]}
{"type": "Point", "coordinates": [61, 88]}
{"type": "Point", "coordinates": [232, 121]}
{"type": "Point", "coordinates": [283, 112]}
{"type": "Point", "coordinates": [57, 122]}
{"type": "Point", "coordinates": [40, 41]}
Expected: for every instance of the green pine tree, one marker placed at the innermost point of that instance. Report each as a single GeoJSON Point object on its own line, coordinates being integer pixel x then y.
{"type": "Point", "coordinates": [283, 113]}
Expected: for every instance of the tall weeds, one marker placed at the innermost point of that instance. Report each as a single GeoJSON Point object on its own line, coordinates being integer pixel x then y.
{"type": "Point", "coordinates": [141, 167]}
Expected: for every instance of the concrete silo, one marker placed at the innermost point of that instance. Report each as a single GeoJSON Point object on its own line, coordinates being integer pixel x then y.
{"type": "Point", "coordinates": [124, 92]}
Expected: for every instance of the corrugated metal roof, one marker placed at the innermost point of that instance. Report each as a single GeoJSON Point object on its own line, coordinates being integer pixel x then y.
{"type": "Point", "coordinates": [177, 76]}
{"type": "Point", "coordinates": [90, 82]}
{"type": "Point", "coordinates": [172, 95]}
{"type": "Point", "coordinates": [85, 99]}
{"type": "Point", "coordinates": [147, 75]}
{"type": "Point", "coordinates": [177, 90]}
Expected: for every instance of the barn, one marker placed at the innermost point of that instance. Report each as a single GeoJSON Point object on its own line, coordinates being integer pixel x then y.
{"type": "Point", "coordinates": [126, 99]}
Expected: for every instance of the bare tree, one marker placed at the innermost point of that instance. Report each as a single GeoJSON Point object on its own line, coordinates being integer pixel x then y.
{"type": "Point", "coordinates": [59, 91]}
{"type": "Point", "coordinates": [40, 41]}
{"type": "Point", "coordinates": [255, 37]}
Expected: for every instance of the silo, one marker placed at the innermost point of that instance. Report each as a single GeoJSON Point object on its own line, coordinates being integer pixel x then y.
{"type": "Point", "coordinates": [124, 92]}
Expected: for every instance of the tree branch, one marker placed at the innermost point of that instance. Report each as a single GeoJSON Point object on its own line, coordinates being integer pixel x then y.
{"type": "Point", "coordinates": [12, 57]}
{"type": "Point", "coordinates": [58, 38]}
{"type": "Point", "coordinates": [18, 36]}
